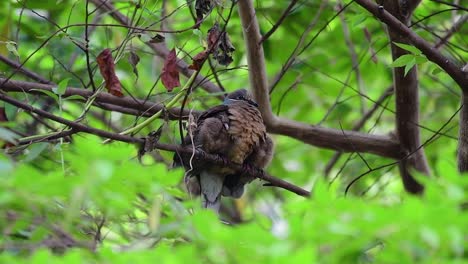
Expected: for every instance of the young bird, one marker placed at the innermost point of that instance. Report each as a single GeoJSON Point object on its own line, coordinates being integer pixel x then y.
{"type": "Point", "coordinates": [235, 131]}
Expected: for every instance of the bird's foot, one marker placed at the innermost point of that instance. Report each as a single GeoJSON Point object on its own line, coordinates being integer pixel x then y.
{"type": "Point", "coordinates": [223, 159]}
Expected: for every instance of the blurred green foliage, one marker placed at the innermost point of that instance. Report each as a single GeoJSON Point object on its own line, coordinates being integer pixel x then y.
{"type": "Point", "coordinates": [145, 220]}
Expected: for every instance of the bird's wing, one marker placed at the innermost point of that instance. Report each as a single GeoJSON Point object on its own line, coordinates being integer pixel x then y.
{"type": "Point", "coordinates": [256, 146]}
{"type": "Point", "coordinates": [190, 139]}
{"type": "Point", "coordinates": [210, 135]}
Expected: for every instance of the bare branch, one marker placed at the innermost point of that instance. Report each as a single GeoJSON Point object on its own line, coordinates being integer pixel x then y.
{"type": "Point", "coordinates": [21, 69]}
{"type": "Point", "coordinates": [72, 124]}
{"type": "Point", "coordinates": [280, 20]}
{"type": "Point", "coordinates": [354, 56]}
{"type": "Point", "coordinates": [455, 27]}
{"type": "Point", "coordinates": [108, 101]}
{"type": "Point", "coordinates": [347, 141]}
{"type": "Point", "coordinates": [407, 103]}
{"type": "Point", "coordinates": [256, 60]}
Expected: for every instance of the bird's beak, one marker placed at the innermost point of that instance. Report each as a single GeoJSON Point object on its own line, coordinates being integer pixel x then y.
{"type": "Point", "coordinates": [252, 103]}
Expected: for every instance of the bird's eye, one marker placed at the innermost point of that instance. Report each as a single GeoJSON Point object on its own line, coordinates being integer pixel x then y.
{"type": "Point", "coordinates": [241, 97]}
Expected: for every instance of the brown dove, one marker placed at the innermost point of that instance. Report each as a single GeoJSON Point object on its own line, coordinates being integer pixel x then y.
{"type": "Point", "coordinates": [235, 131]}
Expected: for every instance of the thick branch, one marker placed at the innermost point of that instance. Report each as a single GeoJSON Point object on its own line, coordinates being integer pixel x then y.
{"type": "Point", "coordinates": [346, 141]}
{"type": "Point", "coordinates": [104, 100]}
{"type": "Point", "coordinates": [256, 59]}
{"type": "Point", "coordinates": [72, 124]}
{"type": "Point", "coordinates": [462, 151]}
{"type": "Point", "coordinates": [407, 102]}
{"type": "Point", "coordinates": [460, 77]}
{"type": "Point", "coordinates": [28, 73]}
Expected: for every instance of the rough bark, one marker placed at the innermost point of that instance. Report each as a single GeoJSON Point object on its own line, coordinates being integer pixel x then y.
{"type": "Point", "coordinates": [462, 152]}
{"type": "Point", "coordinates": [407, 102]}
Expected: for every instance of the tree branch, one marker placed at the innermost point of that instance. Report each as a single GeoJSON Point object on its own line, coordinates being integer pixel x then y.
{"type": "Point", "coordinates": [462, 150]}
{"type": "Point", "coordinates": [278, 23]}
{"type": "Point", "coordinates": [103, 100]}
{"type": "Point", "coordinates": [341, 140]}
{"type": "Point", "coordinates": [360, 124]}
{"type": "Point", "coordinates": [346, 141]}
{"type": "Point", "coordinates": [406, 101]}
{"type": "Point", "coordinates": [460, 77]}
{"type": "Point", "coordinates": [72, 124]}
{"type": "Point", "coordinates": [28, 73]}
{"type": "Point", "coordinates": [256, 60]}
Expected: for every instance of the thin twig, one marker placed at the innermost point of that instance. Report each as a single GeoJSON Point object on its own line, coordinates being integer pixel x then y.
{"type": "Point", "coordinates": [279, 22]}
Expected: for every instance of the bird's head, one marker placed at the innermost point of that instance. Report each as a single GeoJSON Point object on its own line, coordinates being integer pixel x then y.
{"type": "Point", "coordinates": [239, 95]}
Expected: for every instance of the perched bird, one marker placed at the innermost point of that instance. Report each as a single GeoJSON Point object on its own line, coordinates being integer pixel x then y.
{"type": "Point", "coordinates": [233, 130]}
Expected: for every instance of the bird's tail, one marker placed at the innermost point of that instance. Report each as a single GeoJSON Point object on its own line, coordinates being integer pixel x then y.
{"type": "Point", "coordinates": [211, 186]}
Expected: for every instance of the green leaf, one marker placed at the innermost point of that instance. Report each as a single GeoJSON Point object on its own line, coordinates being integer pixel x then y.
{"type": "Point", "coordinates": [11, 47]}
{"type": "Point", "coordinates": [409, 48]}
{"type": "Point", "coordinates": [420, 59]}
{"type": "Point", "coordinates": [6, 167]}
{"type": "Point", "coordinates": [8, 124]}
{"type": "Point", "coordinates": [403, 60]}
{"type": "Point", "coordinates": [200, 36]}
{"type": "Point", "coordinates": [10, 111]}
{"type": "Point", "coordinates": [358, 19]}
{"type": "Point", "coordinates": [409, 66]}
{"type": "Point", "coordinates": [35, 150]}
{"type": "Point", "coordinates": [61, 87]}
{"type": "Point", "coordinates": [75, 97]}
{"type": "Point", "coordinates": [436, 71]}
{"type": "Point", "coordinates": [8, 135]}
{"type": "Point", "coordinates": [49, 93]}
{"type": "Point", "coordinates": [145, 37]}
{"type": "Point", "coordinates": [44, 4]}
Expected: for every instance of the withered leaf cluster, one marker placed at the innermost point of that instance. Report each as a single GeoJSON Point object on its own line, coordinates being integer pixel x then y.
{"type": "Point", "coordinates": [219, 45]}
{"type": "Point", "coordinates": [203, 7]}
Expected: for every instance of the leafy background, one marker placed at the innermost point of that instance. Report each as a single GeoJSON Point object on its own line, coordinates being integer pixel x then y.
{"type": "Point", "coordinates": [84, 201]}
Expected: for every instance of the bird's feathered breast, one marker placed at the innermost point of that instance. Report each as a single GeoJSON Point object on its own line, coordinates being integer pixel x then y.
{"type": "Point", "coordinates": [246, 129]}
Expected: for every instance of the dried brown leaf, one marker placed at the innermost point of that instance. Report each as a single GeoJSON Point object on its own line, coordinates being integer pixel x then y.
{"type": "Point", "coordinates": [3, 116]}
{"type": "Point", "coordinates": [220, 45]}
{"type": "Point", "coordinates": [170, 74]}
{"type": "Point", "coordinates": [213, 36]}
{"type": "Point", "coordinates": [158, 38]}
{"type": "Point", "coordinates": [134, 59]}
{"type": "Point", "coordinates": [203, 7]}
{"type": "Point", "coordinates": [107, 69]}
{"type": "Point", "coordinates": [198, 60]}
